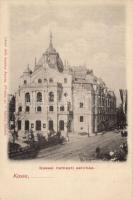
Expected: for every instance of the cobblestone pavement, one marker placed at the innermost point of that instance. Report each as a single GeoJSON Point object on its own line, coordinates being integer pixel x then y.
{"type": "Point", "coordinates": [81, 148]}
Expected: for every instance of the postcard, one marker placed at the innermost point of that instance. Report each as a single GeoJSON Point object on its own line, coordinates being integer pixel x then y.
{"type": "Point", "coordinates": [66, 100]}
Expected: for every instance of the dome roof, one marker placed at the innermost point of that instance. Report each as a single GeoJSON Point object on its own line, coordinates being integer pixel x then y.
{"type": "Point", "coordinates": [50, 58]}
{"type": "Point", "coordinates": [60, 64]}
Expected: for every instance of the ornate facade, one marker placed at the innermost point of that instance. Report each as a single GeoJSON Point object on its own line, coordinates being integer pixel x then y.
{"type": "Point", "coordinates": [58, 97]}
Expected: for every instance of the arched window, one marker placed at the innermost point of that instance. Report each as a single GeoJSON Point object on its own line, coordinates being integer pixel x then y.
{"type": "Point", "coordinates": [39, 80]}
{"type": "Point", "coordinates": [27, 97]}
{"type": "Point", "coordinates": [39, 97]}
{"type": "Point", "coordinates": [39, 109]}
{"type": "Point", "coordinates": [38, 125]}
{"type": "Point", "coordinates": [27, 109]}
{"type": "Point", "coordinates": [51, 96]}
{"type": "Point", "coordinates": [61, 125]}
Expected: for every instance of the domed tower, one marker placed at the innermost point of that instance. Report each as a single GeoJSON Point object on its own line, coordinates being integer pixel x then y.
{"type": "Point", "coordinates": [51, 58]}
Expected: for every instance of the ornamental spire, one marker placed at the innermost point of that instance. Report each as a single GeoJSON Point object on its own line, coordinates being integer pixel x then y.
{"type": "Point", "coordinates": [51, 37]}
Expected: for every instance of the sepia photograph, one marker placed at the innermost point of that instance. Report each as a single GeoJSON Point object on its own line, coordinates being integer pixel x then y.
{"type": "Point", "coordinates": [67, 98]}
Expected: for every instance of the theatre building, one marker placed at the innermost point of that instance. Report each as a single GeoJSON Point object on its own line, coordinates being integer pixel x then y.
{"type": "Point", "coordinates": [58, 97]}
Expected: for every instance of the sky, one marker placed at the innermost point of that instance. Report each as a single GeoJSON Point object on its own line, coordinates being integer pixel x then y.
{"type": "Point", "coordinates": [91, 35]}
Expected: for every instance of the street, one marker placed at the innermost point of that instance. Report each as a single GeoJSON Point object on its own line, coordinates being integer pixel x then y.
{"type": "Point", "coordinates": [82, 148]}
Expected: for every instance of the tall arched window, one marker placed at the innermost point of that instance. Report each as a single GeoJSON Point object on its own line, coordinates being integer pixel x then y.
{"type": "Point", "coordinates": [27, 97]}
{"type": "Point", "coordinates": [51, 96]}
{"type": "Point", "coordinates": [39, 97]}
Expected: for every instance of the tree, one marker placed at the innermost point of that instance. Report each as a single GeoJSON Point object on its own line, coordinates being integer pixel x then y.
{"type": "Point", "coordinates": [121, 117]}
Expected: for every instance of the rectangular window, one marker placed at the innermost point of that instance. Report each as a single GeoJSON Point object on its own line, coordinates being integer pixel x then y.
{"type": "Point", "coordinates": [27, 109]}
{"type": "Point", "coordinates": [62, 108]}
{"type": "Point", "coordinates": [44, 125]}
{"type": "Point", "coordinates": [65, 80]}
{"type": "Point", "coordinates": [26, 125]}
{"type": "Point", "coordinates": [51, 80]}
{"type": "Point", "coordinates": [81, 118]}
{"type": "Point", "coordinates": [51, 125]}
{"type": "Point", "coordinates": [25, 82]}
{"type": "Point", "coordinates": [81, 105]}
{"type": "Point", "coordinates": [69, 106]}
{"type": "Point", "coordinates": [19, 124]}
{"type": "Point", "coordinates": [20, 109]}
{"type": "Point", "coordinates": [51, 108]}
